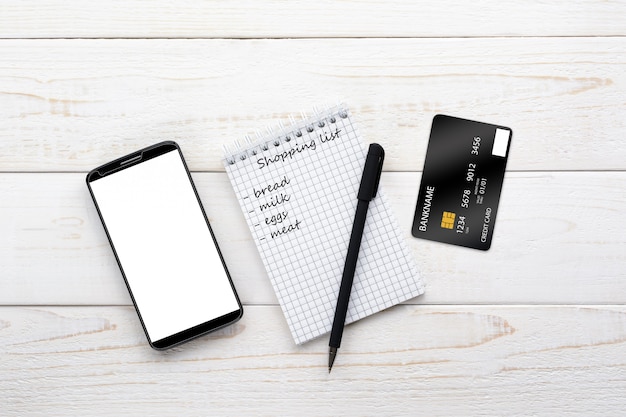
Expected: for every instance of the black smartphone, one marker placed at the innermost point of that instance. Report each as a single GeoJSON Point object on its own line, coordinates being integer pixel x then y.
{"type": "Point", "coordinates": [164, 245]}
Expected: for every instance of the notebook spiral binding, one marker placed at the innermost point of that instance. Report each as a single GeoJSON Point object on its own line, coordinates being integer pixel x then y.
{"type": "Point", "coordinates": [282, 135]}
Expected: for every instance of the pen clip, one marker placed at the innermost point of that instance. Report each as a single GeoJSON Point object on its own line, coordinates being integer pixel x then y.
{"type": "Point", "coordinates": [371, 172]}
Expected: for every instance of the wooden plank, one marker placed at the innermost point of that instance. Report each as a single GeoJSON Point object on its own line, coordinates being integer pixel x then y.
{"type": "Point", "coordinates": [338, 18]}
{"type": "Point", "coordinates": [556, 241]}
{"type": "Point", "coordinates": [70, 105]}
{"type": "Point", "coordinates": [449, 360]}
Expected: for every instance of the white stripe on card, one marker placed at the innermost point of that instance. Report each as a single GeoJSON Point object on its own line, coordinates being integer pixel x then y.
{"type": "Point", "coordinates": [501, 142]}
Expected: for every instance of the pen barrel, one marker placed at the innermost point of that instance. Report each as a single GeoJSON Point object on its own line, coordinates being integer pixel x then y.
{"type": "Point", "coordinates": [348, 273]}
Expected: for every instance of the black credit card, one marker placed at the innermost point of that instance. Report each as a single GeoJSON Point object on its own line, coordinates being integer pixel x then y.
{"type": "Point", "coordinates": [461, 183]}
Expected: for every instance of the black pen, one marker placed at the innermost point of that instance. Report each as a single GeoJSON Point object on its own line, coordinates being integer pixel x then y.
{"type": "Point", "coordinates": [367, 191]}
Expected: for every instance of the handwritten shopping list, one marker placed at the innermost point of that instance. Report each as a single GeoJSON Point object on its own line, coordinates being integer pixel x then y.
{"type": "Point", "coordinates": [298, 191]}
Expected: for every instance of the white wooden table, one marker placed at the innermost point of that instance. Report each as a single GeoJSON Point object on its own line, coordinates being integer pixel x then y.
{"type": "Point", "coordinates": [536, 326]}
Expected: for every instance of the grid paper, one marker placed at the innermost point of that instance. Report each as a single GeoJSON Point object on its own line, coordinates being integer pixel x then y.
{"type": "Point", "coordinates": [298, 194]}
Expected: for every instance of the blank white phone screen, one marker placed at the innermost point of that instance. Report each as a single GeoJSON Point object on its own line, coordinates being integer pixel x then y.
{"type": "Point", "coordinates": [164, 245]}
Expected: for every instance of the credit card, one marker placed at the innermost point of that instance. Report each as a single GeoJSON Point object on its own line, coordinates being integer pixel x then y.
{"type": "Point", "coordinates": [461, 183]}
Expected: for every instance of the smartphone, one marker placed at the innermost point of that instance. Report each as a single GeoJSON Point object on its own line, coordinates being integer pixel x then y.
{"type": "Point", "coordinates": [164, 245]}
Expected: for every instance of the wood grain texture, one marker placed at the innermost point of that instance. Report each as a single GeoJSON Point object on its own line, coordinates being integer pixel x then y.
{"type": "Point", "coordinates": [534, 327]}
{"type": "Point", "coordinates": [453, 360]}
{"type": "Point", "coordinates": [69, 105]}
{"type": "Point", "coordinates": [293, 19]}
{"type": "Point", "coordinates": [556, 241]}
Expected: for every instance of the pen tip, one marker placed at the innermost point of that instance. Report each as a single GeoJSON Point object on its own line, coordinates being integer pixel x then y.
{"type": "Point", "coordinates": [332, 353]}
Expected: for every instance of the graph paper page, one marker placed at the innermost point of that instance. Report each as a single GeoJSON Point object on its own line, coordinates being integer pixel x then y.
{"type": "Point", "coordinates": [298, 194]}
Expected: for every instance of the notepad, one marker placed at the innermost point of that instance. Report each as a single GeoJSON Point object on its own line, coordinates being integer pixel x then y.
{"type": "Point", "coordinates": [298, 193]}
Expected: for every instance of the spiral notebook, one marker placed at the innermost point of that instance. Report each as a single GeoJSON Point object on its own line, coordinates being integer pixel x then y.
{"type": "Point", "coordinates": [297, 190]}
